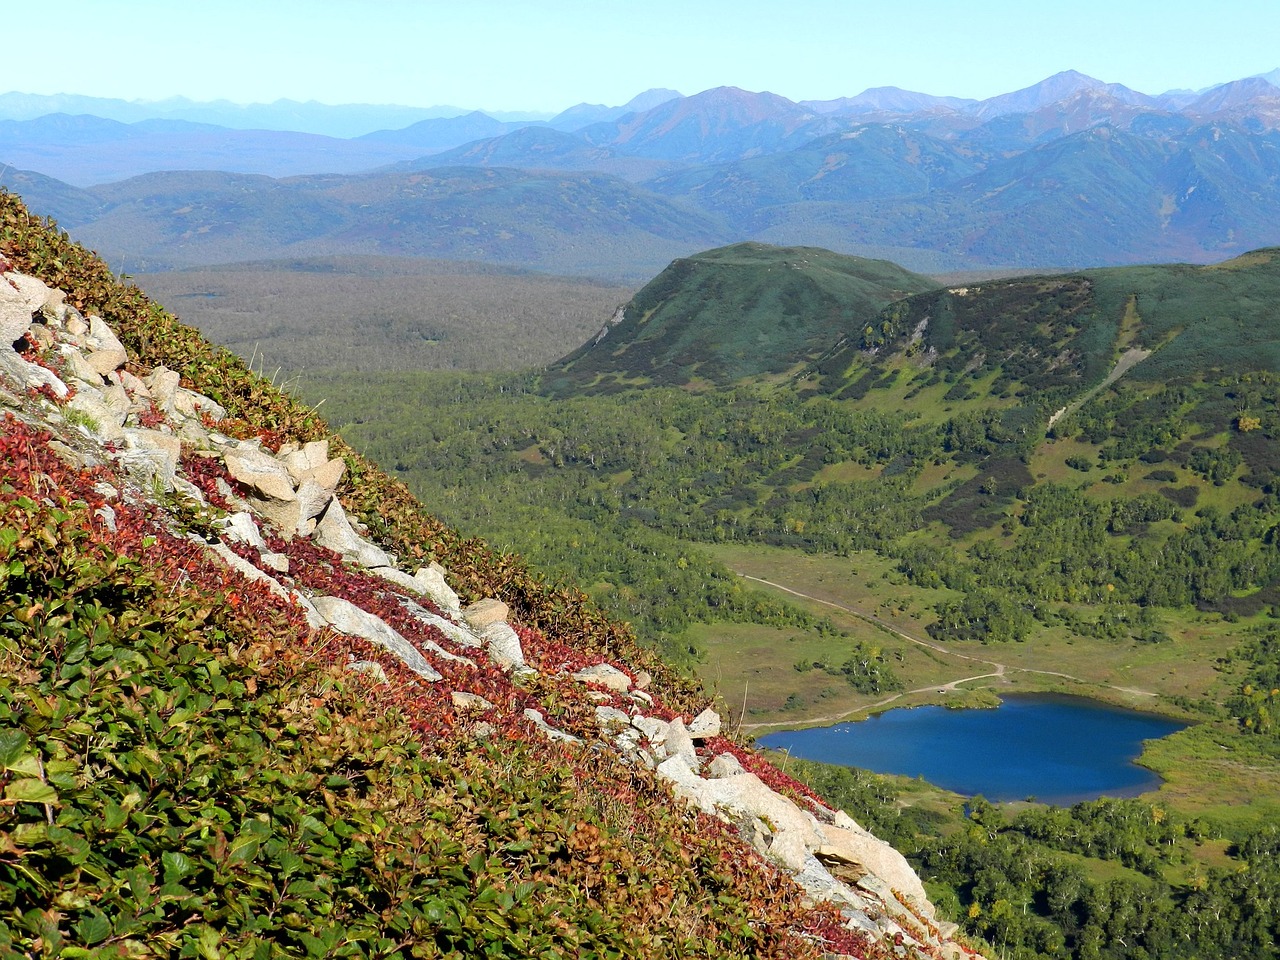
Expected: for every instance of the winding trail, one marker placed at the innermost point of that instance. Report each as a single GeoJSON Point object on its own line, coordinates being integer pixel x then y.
{"type": "Point", "coordinates": [999, 669]}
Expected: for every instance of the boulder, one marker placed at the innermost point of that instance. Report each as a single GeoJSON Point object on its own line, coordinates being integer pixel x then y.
{"type": "Point", "coordinates": [300, 461]}
{"type": "Point", "coordinates": [605, 675]}
{"type": "Point", "coordinates": [96, 417]}
{"type": "Point", "coordinates": [163, 383]}
{"type": "Point", "coordinates": [346, 617]}
{"type": "Point", "coordinates": [18, 305]}
{"type": "Point", "coordinates": [432, 580]}
{"type": "Point", "coordinates": [25, 374]}
{"type": "Point", "coordinates": [725, 765]}
{"type": "Point", "coordinates": [654, 729]}
{"type": "Point", "coordinates": [190, 404]}
{"type": "Point", "coordinates": [335, 532]}
{"type": "Point", "coordinates": [680, 744]}
{"type": "Point", "coordinates": [106, 352]}
{"type": "Point", "coordinates": [260, 472]}
{"type": "Point", "coordinates": [327, 475]}
{"type": "Point", "coordinates": [77, 367]}
{"type": "Point", "coordinates": [704, 725]}
{"type": "Point", "coordinates": [503, 644]}
{"type": "Point", "coordinates": [151, 457]}
{"type": "Point", "coordinates": [484, 613]}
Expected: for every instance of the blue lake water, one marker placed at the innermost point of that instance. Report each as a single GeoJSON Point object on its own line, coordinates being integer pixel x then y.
{"type": "Point", "coordinates": [1058, 749]}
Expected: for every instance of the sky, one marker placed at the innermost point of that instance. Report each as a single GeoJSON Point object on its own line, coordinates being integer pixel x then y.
{"type": "Point", "coordinates": [544, 56]}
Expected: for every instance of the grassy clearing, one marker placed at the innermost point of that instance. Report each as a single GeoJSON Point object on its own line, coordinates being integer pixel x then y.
{"type": "Point", "coordinates": [1213, 773]}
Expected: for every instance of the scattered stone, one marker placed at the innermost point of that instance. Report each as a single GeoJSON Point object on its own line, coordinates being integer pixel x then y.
{"type": "Point", "coordinates": [725, 765]}
{"type": "Point", "coordinates": [432, 580]}
{"type": "Point", "coordinates": [611, 717]}
{"type": "Point", "coordinates": [241, 528]}
{"type": "Point", "coordinates": [260, 472]}
{"type": "Point", "coordinates": [503, 644]}
{"type": "Point", "coordinates": [605, 675]}
{"type": "Point", "coordinates": [458, 634]}
{"type": "Point", "coordinates": [276, 561]}
{"type": "Point", "coordinates": [250, 572]}
{"type": "Point", "coordinates": [643, 679]}
{"type": "Point", "coordinates": [639, 696]}
{"type": "Point", "coordinates": [373, 668]}
{"type": "Point", "coordinates": [107, 515]}
{"type": "Point", "coordinates": [654, 730]}
{"type": "Point", "coordinates": [484, 613]}
{"type": "Point", "coordinates": [346, 617]}
{"type": "Point", "coordinates": [334, 531]}
{"type": "Point", "coordinates": [704, 725]}
{"type": "Point", "coordinates": [470, 701]}
{"type": "Point", "coordinates": [398, 577]}
{"type": "Point", "coordinates": [551, 732]}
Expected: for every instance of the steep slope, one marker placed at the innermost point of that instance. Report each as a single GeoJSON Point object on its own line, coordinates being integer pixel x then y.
{"type": "Point", "coordinates": [736, 312]}
{"type": "Point", "coordinates": [233, 723]}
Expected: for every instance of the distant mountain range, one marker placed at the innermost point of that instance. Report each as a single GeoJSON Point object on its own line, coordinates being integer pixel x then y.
{"type": "Point", "coordinates": [1068, 172]}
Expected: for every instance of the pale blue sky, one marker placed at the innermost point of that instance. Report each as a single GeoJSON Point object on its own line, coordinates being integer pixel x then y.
{"type": "Point", "coordinates": [548, 55]}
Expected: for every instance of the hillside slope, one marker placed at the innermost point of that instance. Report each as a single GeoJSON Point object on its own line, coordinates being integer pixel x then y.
{"type": "Point", "coordinates": [735, 312]}
{"type": "Point", "coordinates": [232, 725]}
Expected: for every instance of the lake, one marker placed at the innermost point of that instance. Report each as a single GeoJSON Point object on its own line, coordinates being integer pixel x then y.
{"type": "Point", "coordinates": [1058, 749]}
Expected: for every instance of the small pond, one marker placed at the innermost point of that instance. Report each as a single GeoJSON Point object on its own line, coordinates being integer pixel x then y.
{"type": "Point", "coordinates": [1057, 749]}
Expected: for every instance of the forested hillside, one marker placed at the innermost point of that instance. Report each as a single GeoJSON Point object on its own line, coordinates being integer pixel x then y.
{"type": "Point", "coordinates": [733, 313]}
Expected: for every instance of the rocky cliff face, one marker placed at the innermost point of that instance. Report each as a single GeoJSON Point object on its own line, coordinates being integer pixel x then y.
{"type": "Point", "coordinates": [107, 431]}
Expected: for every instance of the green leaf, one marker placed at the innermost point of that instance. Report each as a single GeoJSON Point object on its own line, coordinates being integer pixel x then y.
{"type": "Point", "coordinates": [93, 929]}
{"type": "Point", "coordinates": [244, 849]}
{"type": "Point", "coordinates": [30, 791]}
{"type": "Point", "coordinates": [114, 816]}
{"type": "Point", "coordinates": [176, 866]}
{"type": "Point", "coordinates": [12, 744]}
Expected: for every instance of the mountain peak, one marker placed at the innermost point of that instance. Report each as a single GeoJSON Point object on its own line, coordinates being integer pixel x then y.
{"type": "Point", "coordinates": [1049, 90]}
